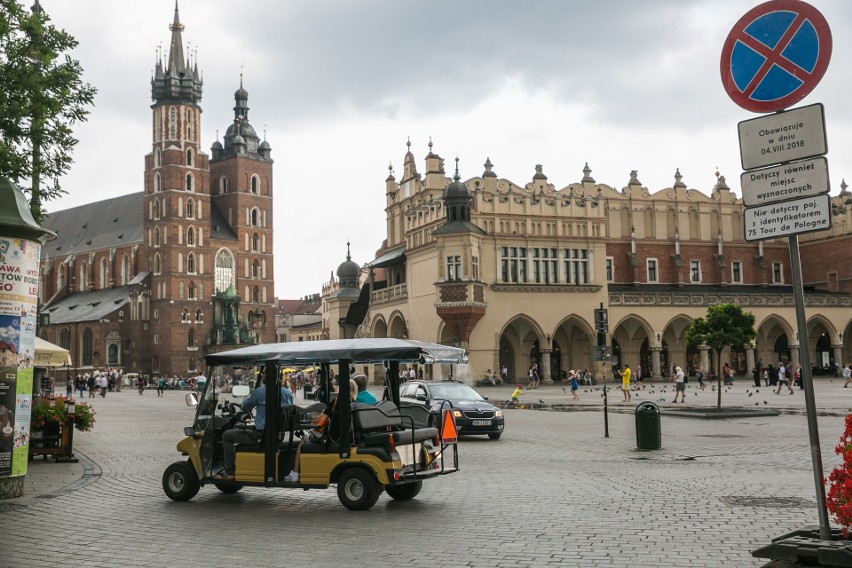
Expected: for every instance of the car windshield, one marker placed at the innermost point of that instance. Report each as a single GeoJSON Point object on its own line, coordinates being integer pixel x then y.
{"type": "Point", "coordinates": [454, 391]}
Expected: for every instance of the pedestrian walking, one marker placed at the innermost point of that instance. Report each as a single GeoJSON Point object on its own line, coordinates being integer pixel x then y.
{"type": "Point", "coordinates": [755, 375]}
{"type": "Point", "coordinates": [783, 381]}
{"type": "Point", "coordinates": [161, 385]}
{"type": "Point", "coordinates": [574, 385]}
{"type": "Point", "coordinates": [699, 376]}
{"type": "Point", "coordinates": [680, 384]}
{"type": "Point", "coordinates": [847, 375]}
{"type": "Point", "coordinates": [625, 383]}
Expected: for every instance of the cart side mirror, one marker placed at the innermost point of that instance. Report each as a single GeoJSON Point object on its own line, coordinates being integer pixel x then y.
{"type": "Point", "coordinates": [240, 390]}
{"type": "Point", "coordinates": [191, 400]}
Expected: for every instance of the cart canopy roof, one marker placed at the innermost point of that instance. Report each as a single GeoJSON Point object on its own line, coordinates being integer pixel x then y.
{"type": "Point", "coordinates": [367, 350]}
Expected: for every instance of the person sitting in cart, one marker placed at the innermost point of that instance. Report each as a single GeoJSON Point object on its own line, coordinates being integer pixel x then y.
{"type": "Point", "coordinates": [364, 395]}
{"type": "Point", "coordinates": [256, 401]}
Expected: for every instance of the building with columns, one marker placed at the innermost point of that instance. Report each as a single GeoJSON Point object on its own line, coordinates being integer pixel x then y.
{"type": "Point", "coordinates": [152, 281]}
{"type": "Point", "coordinates": [514, 271]}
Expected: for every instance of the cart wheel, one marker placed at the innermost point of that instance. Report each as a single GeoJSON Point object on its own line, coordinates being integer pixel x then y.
{"type": "Point", "coordinates": [228, 488]}
{"type": "Point", "coordinates": [180, 482]}
{"type": "Point", "coordinates": [358, 489]}
{"type": "Point", "coordinates": [404, 492]}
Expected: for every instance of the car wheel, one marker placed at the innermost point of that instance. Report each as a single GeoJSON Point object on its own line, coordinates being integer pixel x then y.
{"type": "Point", "coordinates": [180, 482]}
{"type": "Point", "coordinates": [228, 488]}
{"type": "Point", "coordinates": [495, 436]}
{"type": "Point", "coordinates": [404, 492]}
{"type": "Point", "coordinates": [358, 489]}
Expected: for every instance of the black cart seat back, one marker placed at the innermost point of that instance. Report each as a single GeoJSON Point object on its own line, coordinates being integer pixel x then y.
{"type": "Point", "coordinates": [420, 415]}
{"type": "Point", "coordinates": [381, 416]}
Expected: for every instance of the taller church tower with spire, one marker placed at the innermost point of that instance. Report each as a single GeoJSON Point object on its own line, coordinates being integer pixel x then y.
{"type": "Point", "coordinates": [207, 223]}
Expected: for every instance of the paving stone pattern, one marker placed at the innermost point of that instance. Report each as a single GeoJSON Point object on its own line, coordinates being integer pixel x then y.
{"type": "Point", "coordinates": [552, 492]}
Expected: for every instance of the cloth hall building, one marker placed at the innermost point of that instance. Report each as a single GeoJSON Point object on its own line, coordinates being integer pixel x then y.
{"type": "Point", "coordinates": [514, 271]}
{"type": "Point", "coordinates": [152, 281]}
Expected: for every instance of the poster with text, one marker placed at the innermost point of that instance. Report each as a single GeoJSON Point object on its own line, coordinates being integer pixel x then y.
{"type": "Point", "coordinates": [18, 300]}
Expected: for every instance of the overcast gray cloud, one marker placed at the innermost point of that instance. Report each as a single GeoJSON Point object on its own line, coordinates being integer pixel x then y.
{"type": "Point", "coordinates": [340, 85]}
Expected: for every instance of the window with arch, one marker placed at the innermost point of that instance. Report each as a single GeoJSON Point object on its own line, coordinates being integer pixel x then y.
{"type": "Point", "coordinates": [184, 316]}
{"type": "Point", "coordinates": [103, 278]}
{"type": "Point", "coordinates": [255, 184]}
{"type": "Point", "coordinates": [158, 268]}
{"type": "Point", "coordinates": [255, 295]}
{"type": "Point", "coordinates": [198, 316]}
{"type": "Point", "coordinates": [180, 290]}
{"type": "Point", "coordinates": [190, 122]}
{"type": "Point", "coordinates": [84, 277]}
{"type": "Point", "coordinates": [190, 263]}
{"type": "Point", "coordinates": [156, 209]}
{"type": "Point", "coordinates": [157, 187]}
{"type": "Point", "coordinates": [88, 346]}
{"type": "Point", "coordinates": [65, 339]}
{"type": "Point", "coordinates": [156, 157]}
{"type": "Point", "coordinates": [190, 209]}
{"type": "Point", "coordinates": [156, 236]}
{"type": "Point", "coordinates": [173, 123]}
{"type": "Point", "coordinates": [224, 270]}
{"type": "Point", "coordinates": [255, 240]}
{"type": "Point", "coordinates": [189, 157]}
{"type": "Point", "coordinates": [191, 291]}
{"type": "Point", "coordinates": [189, 182]}
{"type": "Point", "coordinates": [190, 236]}
{"type": "Point", "coordinates": [223, 184]}
{"type": "Point", "coordinates": [125, 270]}
{"type": "Point", "coordinates": [190, 338]}
{"type": "Point", "coordinates": [255, 217]}
{"type": "Point", "coordinates": [255, 269]}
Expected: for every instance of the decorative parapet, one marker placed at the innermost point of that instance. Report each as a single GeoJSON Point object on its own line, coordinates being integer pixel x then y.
{"type": "Point", "coordinates": [391, 294]}
{"type": "Point", "coordinates": [759, 299]}
{"type": "Point", "coordinates": [580, 288]}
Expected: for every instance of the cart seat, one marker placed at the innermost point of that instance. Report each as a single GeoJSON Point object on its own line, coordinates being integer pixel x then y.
{"type": "Point", "coordinates": [400, 436]}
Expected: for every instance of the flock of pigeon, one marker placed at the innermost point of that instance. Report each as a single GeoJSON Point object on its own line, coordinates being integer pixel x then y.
{"type": "Point", "coordinates": [658, 393]}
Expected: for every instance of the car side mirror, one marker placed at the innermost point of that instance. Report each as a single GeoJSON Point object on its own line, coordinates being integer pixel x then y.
{"type": "Point", "coordinates": [485, 397]}
{"type": "Point", "coordinates": [191, 400]}
{"type": "Point", "coordinates": [421, 396]}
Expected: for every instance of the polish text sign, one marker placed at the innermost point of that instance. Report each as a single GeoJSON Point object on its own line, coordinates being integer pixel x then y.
{"type": "Point", "coordinates": [783, 137]}
{"type": "Point", "coordinates": [790, 217]}
{"type": "Point", "coordinates": [806, 178]}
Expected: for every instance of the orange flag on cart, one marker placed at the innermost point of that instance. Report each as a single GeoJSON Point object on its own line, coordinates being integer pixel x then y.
{"type": "Point", "coordinates": [449, 433]}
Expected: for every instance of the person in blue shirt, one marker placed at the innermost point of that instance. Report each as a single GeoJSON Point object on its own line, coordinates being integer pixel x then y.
{"type": "Point", "coordinates": [255, 401]}
{"type": "Point", "coordinates": [364, 395]}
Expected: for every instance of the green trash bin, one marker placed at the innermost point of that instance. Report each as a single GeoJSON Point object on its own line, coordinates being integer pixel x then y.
{"type": "Point", "coordinates": [648, 434]}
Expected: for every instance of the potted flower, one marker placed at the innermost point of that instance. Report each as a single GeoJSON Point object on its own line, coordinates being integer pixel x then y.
{"type": "Point", "coordinates": [839, 498]}
{"type": "Point", "coordinates": [47, 416]}
{"type": "Point", "coordinates": [84, 415]}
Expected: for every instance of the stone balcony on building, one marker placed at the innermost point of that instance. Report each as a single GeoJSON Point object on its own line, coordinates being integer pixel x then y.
{"type": "Point", "coordinates": [398, 293]}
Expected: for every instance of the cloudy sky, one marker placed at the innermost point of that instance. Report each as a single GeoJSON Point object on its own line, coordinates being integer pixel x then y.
{"type": "Point", "coordinates": [340, 85]}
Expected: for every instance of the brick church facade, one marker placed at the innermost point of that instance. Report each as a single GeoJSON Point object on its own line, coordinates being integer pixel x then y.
{"type": "Point", "coordinates": [151, 282]}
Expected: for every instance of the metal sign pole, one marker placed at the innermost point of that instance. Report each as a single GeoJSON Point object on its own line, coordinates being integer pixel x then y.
{"type": "Point", "coordinates": [810, 403]}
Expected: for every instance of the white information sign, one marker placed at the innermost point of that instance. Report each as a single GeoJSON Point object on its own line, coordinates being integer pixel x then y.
{"type": "Point", "coordinates": [806, 178]}
{"type": "Point", "coordinates": [789, 217]}
{"type": "Point", "coordinates": [783, 137]}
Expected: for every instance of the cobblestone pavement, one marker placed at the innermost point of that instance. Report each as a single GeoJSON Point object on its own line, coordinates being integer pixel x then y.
{"type": "Point", "coordinates": [552, 491]}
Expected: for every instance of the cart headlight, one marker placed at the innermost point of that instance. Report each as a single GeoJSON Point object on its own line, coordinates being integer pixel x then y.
{"type": "Point", "coordinates": [457, 413]}
{"type": "Point", "coordinates": [498, 414]}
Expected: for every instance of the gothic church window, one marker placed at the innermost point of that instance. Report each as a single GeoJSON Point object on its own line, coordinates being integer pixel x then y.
{"type": "Point", "coordinates": [190, 236]}
{"type": "Point", "coordinates": [88, 346]}
{"type": "Point", "coordinates": [191, 291]}
{"type": "Point", "coordinates": [223, 184]}
{"type": "Point", "coordinates": [224, 270]}
{"type": "Point", "coordinates": [255, 269]}
{"type": "Point", "coordinates": [189, 209]}
{"type": "Point", "coordinates": [189, 157]}
{"type": "Point", "coordinates": [255, 217]}
{"type": "Point", "coordinates": [172, 123]}
{"type": "Point", "coordinates": [125, 270]}
{"type": "Point", "coordinates": [103, 280]}
{"type": "Point", "coordinates": [255, 295]}
{"type": "Point", "coordinates": [190, 338]}
{"type": "Point", "coordinates": [84, 277]}
{"type": "Point", "coordinates": [189, 182]}
{"type": "Point", "coordinates": [190, 263]}
{"type": "Point", "coordinates": [255, 183]}
{"type": "Point", "coordinates": [157, 264]}
{"type": "Point", "coordinates": [254, 242]}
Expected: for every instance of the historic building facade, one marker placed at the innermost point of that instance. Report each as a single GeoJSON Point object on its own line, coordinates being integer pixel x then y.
{"type": "Point", "coordinates": [513, 273]}
{"type": "Point", "coordinates": [153, 281]}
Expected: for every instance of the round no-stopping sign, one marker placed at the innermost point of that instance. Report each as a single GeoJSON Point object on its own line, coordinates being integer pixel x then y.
{"type": "Point", "coordinates": [775, 55]}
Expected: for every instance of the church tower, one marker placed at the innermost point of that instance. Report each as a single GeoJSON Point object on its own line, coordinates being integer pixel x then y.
{"type": "Point", "coordinates": [241, 190]}
{"type": "Point", "coordinates": [176, 214]}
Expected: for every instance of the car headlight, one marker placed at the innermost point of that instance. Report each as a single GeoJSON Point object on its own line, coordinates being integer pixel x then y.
{"type": "Point", "coordinates": [457, 413]}
{"type": "Point", "coordinates": [498, 414]}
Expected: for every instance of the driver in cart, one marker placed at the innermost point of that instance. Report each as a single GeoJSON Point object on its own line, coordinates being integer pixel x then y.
{"type": "Point", "coordinates": [256, 400]}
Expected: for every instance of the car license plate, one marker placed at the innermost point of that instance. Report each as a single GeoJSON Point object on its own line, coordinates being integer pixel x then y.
{"type": "Point", "coordinates": [482, 423]}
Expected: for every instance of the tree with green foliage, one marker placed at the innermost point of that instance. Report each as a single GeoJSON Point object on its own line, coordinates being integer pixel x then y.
{"type": "Point", "coordinates": [41, 97]}
{"type": "Point", "coordinates": [725, 325]}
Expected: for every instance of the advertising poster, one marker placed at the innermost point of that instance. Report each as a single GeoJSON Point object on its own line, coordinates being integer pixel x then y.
{"type": "Point", "coordinates": [19, 264]}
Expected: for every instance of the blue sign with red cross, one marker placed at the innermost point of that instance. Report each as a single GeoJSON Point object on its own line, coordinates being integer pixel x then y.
{"type": "Point", "coordinates": [775, 55]}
